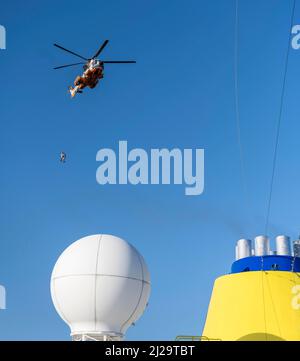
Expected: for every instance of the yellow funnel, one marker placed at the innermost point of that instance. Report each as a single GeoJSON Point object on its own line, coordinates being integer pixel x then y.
{"type": "Point", "coordinates": [253, 306]}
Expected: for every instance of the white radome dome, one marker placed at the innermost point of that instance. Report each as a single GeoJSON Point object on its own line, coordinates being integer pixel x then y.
{"type": "Point", "coordinates": [100, 285]}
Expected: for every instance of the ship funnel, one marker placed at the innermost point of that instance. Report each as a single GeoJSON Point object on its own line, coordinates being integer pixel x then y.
{"type": "Point", "coordinates": [243, 248]}
{"type": "Point", "coordinates": [261, 246]}
{"type": "Point", "coordinates": [283, 246]}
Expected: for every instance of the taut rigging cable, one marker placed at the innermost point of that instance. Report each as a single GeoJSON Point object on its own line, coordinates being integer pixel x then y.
{"type": "Point", "coordinates": [241, 152]}
{"type": "Point", "coordinates": [279, 121]}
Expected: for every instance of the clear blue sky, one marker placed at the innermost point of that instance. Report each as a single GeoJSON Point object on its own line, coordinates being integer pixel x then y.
{"type": "Point", "coordinates": [179, 94]}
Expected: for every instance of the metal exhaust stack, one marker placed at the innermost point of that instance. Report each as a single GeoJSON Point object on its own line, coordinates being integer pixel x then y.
{"type": "Point", "coordinates": [243, 248]}
{"type": "Point", "coordinates": [296, 248]}
{"type": "Point", "coordinates": [283, 245]}
{"type": "Point", "coordinates": [261, 246]}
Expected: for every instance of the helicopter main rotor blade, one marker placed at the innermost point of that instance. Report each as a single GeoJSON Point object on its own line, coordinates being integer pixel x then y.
{"type": "Point", "coordinates": [100, 49]}
{"type": "Point", "coordinates": [119, 62]}
{"type": "Point", "coordinates": [65, 66]}
{"type": "Point", "coordinates": [69, 51]}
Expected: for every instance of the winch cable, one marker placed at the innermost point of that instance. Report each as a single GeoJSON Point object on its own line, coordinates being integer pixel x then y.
{"type": "Point", "coordinates": [279, 121]}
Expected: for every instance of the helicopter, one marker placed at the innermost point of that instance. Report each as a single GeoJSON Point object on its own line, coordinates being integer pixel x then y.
{"type": "Point", "coordinates": [93, 69]}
